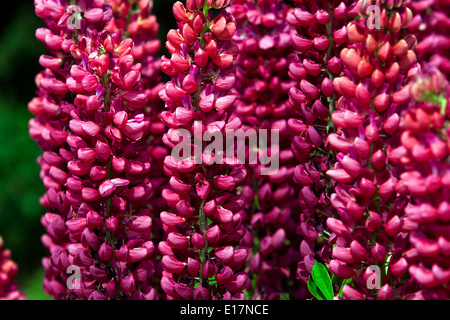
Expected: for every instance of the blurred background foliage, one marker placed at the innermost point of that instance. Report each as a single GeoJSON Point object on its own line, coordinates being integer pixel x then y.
{"type": "Point", "coordinates": [21, 187]}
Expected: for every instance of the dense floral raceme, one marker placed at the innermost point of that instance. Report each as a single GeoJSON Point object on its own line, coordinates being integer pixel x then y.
{"type": "Point", "coordinates": [93, 122]}
{"type": "Point", "coordinates": [202, 258]}
{"type": "Point", "coordinates": [8, 272]}
{"type": "Point", "coordinates": [152, 191]}
{"type": "Point", "coordinates": [265, 50]}
{"type": "Point", "coordinates": [321, 36]}
{"type": "Point", "coordinates": [371, 230]}
{"type": "Point", "coordinates": [431, 26]}
{"type": "Point", "coordinates": [425, 147]}
{"type": "Point", "coordinates": [135, 19]}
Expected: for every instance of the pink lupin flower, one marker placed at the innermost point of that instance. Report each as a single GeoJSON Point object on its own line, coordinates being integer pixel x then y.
{"type": "Point", "coordinates": [262, 85]}
{"type": "Point", "coordinates": [205, 224]}
{"type": "Point", "coordinates": [422, 122]}
{"type": "Point", "coordinates": [321, 36]}
{"type": "Point", "coordinates": [373, 90]}
{"type": "Point", "coordinates": [96, 162]}
{"type": "Point", "coordinates": [8, 273]}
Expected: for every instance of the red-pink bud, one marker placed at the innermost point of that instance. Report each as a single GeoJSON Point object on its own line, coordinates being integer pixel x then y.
{"type": "Point", "coordinates": [105, 252]}
{"type": "Point", "coordinates": [193, 267]}
{"type": "Point", "coordinates": [301, 44]}
{"type": "Point", "coordinates": [112, 223]}
{"type": "Point", "coordinates": [94, 15]}
{"type": "Point", "coordinates": [363, 95]}
{"type": "Point", "coordinates": [379, 252]}
{"type": "Point", "coordinates": [225, 254]}
{"type": "Point", "coordinates": [385, 51]}
{"type": "Point", "coordinates": [351, 293]}
{"type": "Point", "coordinates": [140, 224]}
{"type": "Point", "coordinates": [340, 175]}
{"type": "Point", "coordinates": [385, 293]}
{"type": "Point", "coordinates": [128, 284]}
{"type": "Point", "coordinates": [359, 253]}
{"type": "Point", "coordinates": [342, 254]}
{"type": "Point", "coordinates": [379, 159]}
{"type": "Point", "coordinates": [392, 227]}
{"type": "Point", "coordinates": [423, 276]}
{"type": "Point", "coordinates": [177, 240]}
{"type": "Point", "coordinates": [341, 269]}
{"type": "Point", "coordinates": [198, 241]}
{"type": "Point", "coordinates": [224, 276]}
{"type": "Point", "coordinates": [171, 219]}
{"type": "Point", "coordinates": [399, 268]}
{"type": "Point", "coordinates": [337, 226]}
{"type": "Point", "coordinates": [381, 102]}
{"type": "Point", "coordinates": [213, 234]}
{"type": "Point", "coordinates": [208, 270]}
{"type": "Point", "coordinates": [374, 222]}
{"type": "Point", "coordinates": [172, 265]}
{"type": "Point", "coordinates": [335, 65]}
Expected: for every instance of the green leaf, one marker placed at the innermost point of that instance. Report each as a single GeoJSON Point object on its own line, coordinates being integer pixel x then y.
{"type": "Point", "coordinates": [323, 281]}
{"type": "Point", "coordinates": [284, 296]}
{"type": "Point", "coordinates": [342, 286]}
{"type": "Point", "coordinates": [315, 290]}
{"type": "Point", "coordinates": [386, 265]}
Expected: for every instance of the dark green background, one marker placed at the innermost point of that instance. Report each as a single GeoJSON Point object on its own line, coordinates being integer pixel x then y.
{"type": "Point", "coordinates": [20, 186]}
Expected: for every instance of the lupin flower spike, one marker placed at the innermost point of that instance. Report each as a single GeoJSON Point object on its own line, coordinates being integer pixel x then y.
{"type": "Point", "coordinates": [321, 36]}
{"type": "Point", "coordinates": [201, 256]}
{"type": "Point", "coordinates": [262, 84]}
{"type": "Point", "coordinates": [93, 124]}
{"type": "Point", "coordinates": [370, 225]}
{"type": "Point", "coordinates": [425, 153]}
{"type": "Point", "coordinates": [8, 272]}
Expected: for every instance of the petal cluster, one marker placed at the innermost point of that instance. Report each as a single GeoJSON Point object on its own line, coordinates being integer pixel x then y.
{"type": "Point", "coordinates": [431, 25]}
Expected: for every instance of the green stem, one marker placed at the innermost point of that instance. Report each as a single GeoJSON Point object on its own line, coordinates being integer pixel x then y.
{"type": "Point", "coordinates": [202, 219]}
{"type": "Point", "coordinates": [109, 239]}
{"type": "Point", "coordinates": [203, 224]}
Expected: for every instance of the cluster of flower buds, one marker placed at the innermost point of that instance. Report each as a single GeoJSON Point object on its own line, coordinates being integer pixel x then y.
{"type": "Point", "coordinates": [320, 37]}
{"type": "Point", "coordinates": [369, 230]}
{"type": "Point", "coordinates": [91, 122]}
{"type": "Point", "coordinates": [431, 26]}
{"type": "Point", "coordinates": [8, 273]}
{"type": "Point", "coordinates": [425, 154]}
{"type": "Point", "coordinates": [201, 255]}
{"type": "Point", "coordinates": [134, 19]}
{"type": "Point", "coordinates": [262, 84]}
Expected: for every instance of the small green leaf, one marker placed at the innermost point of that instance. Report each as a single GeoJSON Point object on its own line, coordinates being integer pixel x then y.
{"type": "Point", "coordinates": [386, 265]}
{"type": "Point", "coordinates": [323, 281]}
{"type": "Point", "coordinates": [315, 290]}
{"type": "Point", "coordinates": [284, 296]}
